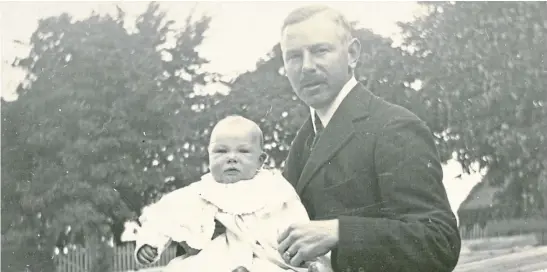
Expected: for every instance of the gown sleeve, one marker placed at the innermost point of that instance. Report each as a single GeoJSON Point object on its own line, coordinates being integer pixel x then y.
{"type": "Point", "coordinates": [289, 208]}
{"type": "Point", "coordinates": [293, 212]}
{"type": "Point", "coordinates": [150, 234]}
{"type": "Point", "coordinates": [180, 216]}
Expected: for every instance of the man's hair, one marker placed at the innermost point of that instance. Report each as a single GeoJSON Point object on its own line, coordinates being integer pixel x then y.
{"type": "Point", "coordinates": [238, 119]}
{"type": "Point", "coordinates": [306, 12]}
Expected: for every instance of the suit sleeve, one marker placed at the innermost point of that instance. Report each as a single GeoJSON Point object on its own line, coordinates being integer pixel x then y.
{"type": "Point", "coordinates": [419, 229]}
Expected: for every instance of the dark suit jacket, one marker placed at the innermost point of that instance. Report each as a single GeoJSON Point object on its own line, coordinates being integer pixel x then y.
{"type": "Point", "coordinates": [376, 169]}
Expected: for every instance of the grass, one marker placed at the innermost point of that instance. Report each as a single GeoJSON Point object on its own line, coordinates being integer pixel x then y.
{"type": "Point", "coordinates": [494, 243]}
{"type": "Point", "coordinates": [526, 260]}
{"type": "Point", "coordinates": [514, 253]}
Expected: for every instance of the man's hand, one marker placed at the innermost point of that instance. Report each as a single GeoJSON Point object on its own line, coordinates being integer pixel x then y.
{"type": "Point", "coordinates": [147, 254]}
{"type": "Point", "coordinates": [306, 241]}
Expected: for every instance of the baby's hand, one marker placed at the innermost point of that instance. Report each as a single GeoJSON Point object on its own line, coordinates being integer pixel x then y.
{"type": "Point", "coordinates": [147, 254]}
{"type": "Point", "coordinates": [189, 250]}
{"type": "Point", "coordinates": [240, 269]}
{"type": "Point", "coordinates": [317, 266]}
{"type": "Point", "coordinates": [312, 267]}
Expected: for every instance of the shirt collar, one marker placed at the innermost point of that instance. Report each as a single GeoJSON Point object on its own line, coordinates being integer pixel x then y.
{"type": "Point", "coordinates": [326, 116]}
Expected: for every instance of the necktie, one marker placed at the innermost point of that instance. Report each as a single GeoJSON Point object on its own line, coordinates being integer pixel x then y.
{"type": "Point", "coordinates": [318, 130]}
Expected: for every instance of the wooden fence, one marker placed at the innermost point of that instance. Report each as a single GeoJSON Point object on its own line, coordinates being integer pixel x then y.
{"type": "Point", "coordinates": [76, 260]}
{"type": "Point", "coordinates": [475, 232]}
{"type": "Point", "coordinates": [507, 227]}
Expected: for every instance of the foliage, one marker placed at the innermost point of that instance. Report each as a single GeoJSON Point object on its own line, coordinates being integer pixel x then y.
{"type": "Point", "coordinates": [386, 72]}
{"type": "Point", "coordinates": [98, 131]}
{"type": "Point", "coordinates": [484, 82]}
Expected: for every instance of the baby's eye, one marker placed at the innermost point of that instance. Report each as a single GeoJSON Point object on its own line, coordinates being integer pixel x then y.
{"type": "Point", "coordinates": [244, 151]}
{"type": "Point", "coordinates": [220, 151]}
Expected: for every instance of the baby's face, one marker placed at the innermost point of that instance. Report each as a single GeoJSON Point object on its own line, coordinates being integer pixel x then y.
{"type": "Point", "coordinates": [234, 155]}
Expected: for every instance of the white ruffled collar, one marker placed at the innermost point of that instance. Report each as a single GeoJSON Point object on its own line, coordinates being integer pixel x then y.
{"type": "Point", "coordinates": [267, 189]}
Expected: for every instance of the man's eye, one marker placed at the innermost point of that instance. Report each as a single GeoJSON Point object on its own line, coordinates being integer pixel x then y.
{"type": "Point", "coordinates": [293, 56]}
{"type": "Point", "coordinates": [322, 50]}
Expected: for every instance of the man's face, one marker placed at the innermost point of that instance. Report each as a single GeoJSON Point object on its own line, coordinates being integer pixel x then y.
{"type": "Point", "coordinates": [234, 155]}
{"type": "Point", "coordinates": [316, 59]}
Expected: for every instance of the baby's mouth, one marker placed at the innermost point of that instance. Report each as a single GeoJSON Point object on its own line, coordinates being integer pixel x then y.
{"type": "Point", "coordinates": [231, 170]}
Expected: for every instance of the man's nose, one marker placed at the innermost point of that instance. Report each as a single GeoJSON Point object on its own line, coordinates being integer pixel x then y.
{"type": "Point", "coordinates": [308, 62]}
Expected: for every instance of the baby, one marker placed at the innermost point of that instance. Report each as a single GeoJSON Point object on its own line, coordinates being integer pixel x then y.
{"type": "Point", "coordinates": [254, 204]}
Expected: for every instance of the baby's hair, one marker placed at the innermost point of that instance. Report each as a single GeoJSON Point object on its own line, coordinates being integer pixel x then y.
{"type": "Point", "coordinates": [239, 119]}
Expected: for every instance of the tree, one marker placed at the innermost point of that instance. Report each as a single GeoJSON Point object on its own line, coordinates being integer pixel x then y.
{"type": "Point", "coordinates": [98, 133]}
{"type": "Point", "coordinates": [484, 78]}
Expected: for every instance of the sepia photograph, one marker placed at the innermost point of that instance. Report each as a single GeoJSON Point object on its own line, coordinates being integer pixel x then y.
{"type": "Point", "coordinates": [273, 136]}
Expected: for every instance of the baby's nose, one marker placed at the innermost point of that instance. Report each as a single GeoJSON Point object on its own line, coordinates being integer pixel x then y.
{"type": "Point", "coordinates": [232, 159]}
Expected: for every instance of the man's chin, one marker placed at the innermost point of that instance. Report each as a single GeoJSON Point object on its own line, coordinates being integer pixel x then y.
{"type": "Point", "coordinates": [319, 104]}
{"type": "Point", "coordinates": [318, 101]}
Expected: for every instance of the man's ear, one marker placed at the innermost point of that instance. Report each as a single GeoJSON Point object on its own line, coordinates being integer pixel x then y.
{"type": "Point", "coordinates": [354, 52]}
{"type": "Point", "coordinates": [262, 158]}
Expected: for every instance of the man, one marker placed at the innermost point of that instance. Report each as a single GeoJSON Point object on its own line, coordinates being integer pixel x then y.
{"type": "Point", "coordinates": [372, 181]}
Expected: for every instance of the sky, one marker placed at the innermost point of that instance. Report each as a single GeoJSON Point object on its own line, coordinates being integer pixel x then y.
{"type": "Point", "coordinates": [240, 33]}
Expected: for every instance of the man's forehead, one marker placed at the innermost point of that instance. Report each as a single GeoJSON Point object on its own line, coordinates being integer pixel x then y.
{"type": "Point", "coordinates": [320, 27]}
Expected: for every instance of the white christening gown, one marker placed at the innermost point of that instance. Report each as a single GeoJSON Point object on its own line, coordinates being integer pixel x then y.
{"type": "Point", "coordinates": [253, 211]}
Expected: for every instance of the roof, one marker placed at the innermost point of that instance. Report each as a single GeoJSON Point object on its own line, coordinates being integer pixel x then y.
{"type": "Point", "coordinates": [481, 196]}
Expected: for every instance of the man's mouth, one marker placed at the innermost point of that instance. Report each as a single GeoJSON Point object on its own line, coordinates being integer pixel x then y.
{"type": "Point", "coordinates": [311, 85]}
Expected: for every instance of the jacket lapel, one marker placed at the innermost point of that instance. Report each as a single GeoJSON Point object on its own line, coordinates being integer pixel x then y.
{"type": "Point", "coordinates": [336, 134]}
{"type": "Point", "coordinates": [298, 154]}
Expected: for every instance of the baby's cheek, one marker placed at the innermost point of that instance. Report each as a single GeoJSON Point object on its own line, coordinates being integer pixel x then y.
{"type": "Point", "coordinates": [215, 167]}
{"type": "Point", "coordinates": [249, 172]}
{"type": "Point", "coordinates": [217, 173]}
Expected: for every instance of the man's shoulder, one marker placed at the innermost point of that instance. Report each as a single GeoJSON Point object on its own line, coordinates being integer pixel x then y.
{"type": "Point", "coordinates": [387, 113]}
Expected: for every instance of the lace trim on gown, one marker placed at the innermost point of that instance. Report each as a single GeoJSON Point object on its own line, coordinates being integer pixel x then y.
{"type": "Point", "coordinates": [266, 190]}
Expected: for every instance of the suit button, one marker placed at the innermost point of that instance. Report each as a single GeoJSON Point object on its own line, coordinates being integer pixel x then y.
{"type": "Point", "coordinates": [361, 269]}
